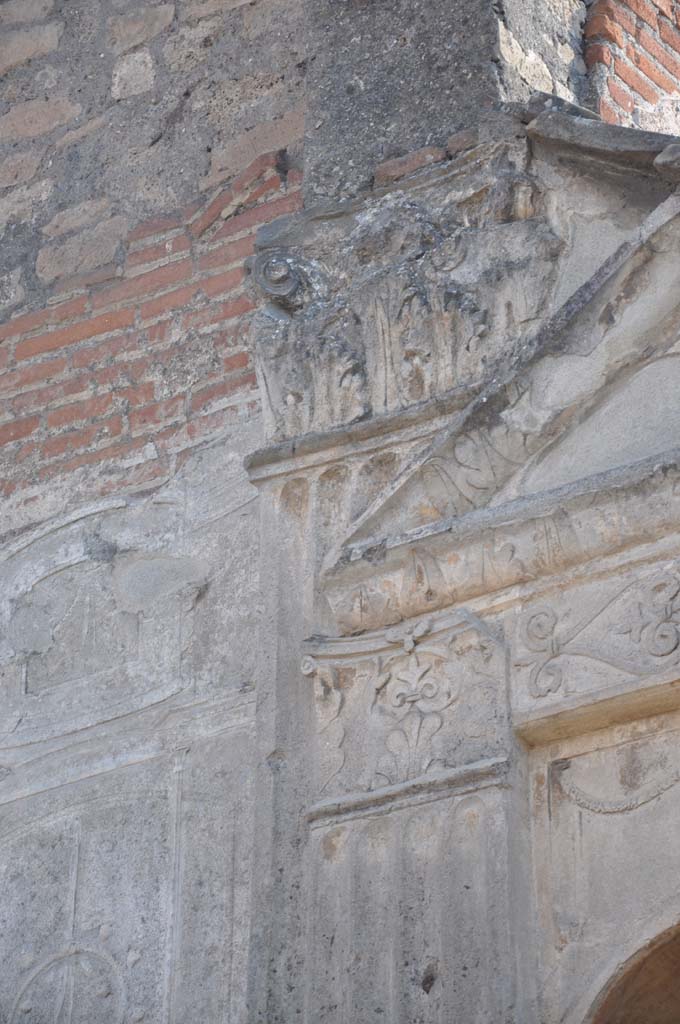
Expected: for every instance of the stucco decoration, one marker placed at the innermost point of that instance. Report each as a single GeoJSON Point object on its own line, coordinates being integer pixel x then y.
{"type": "Point", "coordinates": [472, 498]}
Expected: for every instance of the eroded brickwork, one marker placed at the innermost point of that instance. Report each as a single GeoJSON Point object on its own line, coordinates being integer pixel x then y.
{"type": "Point", "coordinates": [111, 382]}
{"type": "Point", "coordinates": [633, 52]}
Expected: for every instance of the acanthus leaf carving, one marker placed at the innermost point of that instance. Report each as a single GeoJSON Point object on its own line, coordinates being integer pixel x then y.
{"type": "Point", "coordinates": [395, 311]}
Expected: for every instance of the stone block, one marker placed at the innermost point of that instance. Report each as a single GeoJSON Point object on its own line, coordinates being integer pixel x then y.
{"type": "Point", "coordinates": [12, 291]}
{"type": "Point", "coordinates": [263, 138]}
{"type": "Point", "coordinates": [90, 249]}
{"type": "Point", "coordinates": [194, 10]}
{"type": "Point", "coordinates": [78, 134]}
{"type": "Point", "coordinates": [28, 44]}
{"type": "Point", "coordinates": [610, 143]}
{"type": "Point", "coordinates": [21, 203]}
{"type": "Point", "coordinates": [130, 30]}
{"type": "Point", "coordinates": [20, 167]}
{"type": "Point", "coordinates": [76, 217]}
{"type": "Point", "coordinates": [667, 162]}
{"type": "Point", "coordinates": [16, 12]}
{"type": "Point", "coordinates": [529, 65]}
{"type": "Point", "coordinates": [37, 117]}
{"type": "Point", "coordinates": [190, 46]}
{"type": "Point", "coordinates": [133, 74]}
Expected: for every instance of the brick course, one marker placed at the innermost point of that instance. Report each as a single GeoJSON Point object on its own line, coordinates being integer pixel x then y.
{"type": "Point", "coordinates": [632, 49]}
{"type": "Point", "coordinates": [123, 376]}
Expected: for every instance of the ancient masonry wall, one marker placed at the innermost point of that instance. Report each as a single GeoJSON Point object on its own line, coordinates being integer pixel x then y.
{"type": "Point", "coordinates": [633, 53]}
{"type": "Point", "coordinates": [121, 298]}
{"type": "Point", "coordinates": [142, 145]}
{"type": "Point", "coordinates": [130, 196]}
{"type": "Point", "coordinates": [120, 378]}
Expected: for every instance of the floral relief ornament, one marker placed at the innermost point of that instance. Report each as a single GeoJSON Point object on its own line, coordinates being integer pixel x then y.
{"type": "Point", "coordinates": [413, 690]}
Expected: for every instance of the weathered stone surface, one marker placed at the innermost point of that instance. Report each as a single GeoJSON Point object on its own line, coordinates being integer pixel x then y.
{"type": "Point", "coordinates": [130, 30]}
{"type": "Point", "coordinates": [667, 163]}
{"type": "Point", "coordinates": [194, 10]}
{"type": "Point", "coordinates": [541, 103]}
{"type": "Point", "coordinates": [401, 262]}
{"type": "Point", "coordinates": [37, 117]}
{"type": "Point", "coordinates": [23, 203]}
{"type": "Point", "coordinates": [20, 167]}
{"type": "Point", "coordinates": [392, 170]}
{"type": "Point", "coordinates": [381, 65]}
{"type": "Point", "coordinates": [190, 45]}
{"type": "Point", "coordinates": [528, 64]}
{"type": "Point", "coordinates": [76, 217]}
{"type": "Point", "coordinates": [14, 12]}
{"type": "Point", "coordinates": [588, 137]}
{"type": "Point", "coordinates": [19, 47]}
{"type": "Point", "coordinates": [150, 151]}
{"type": "Point", "coordinates": [133, 823]}
{"type": "Point", "coordinates": [133, 74]}
{"type": "Point", "coordinates": [387, 754]}
{"type": "Point", "coordinates": [12, 291]}
{"type": "Point", "coordinates": [264, 138]}
{"type": "Point", "coordinates": [485, 514]}
{"type": "Point", "coordinates": [90, 249]}
{"type": "Point", "coordinates": [391, 64]}
{"type": "Point", "coordinates": [545, 35]}
{"type": "Point", "coordinates": [77, 134]}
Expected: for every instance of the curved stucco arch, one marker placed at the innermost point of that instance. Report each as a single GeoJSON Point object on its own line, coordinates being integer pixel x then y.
{"type": "Point", "coordinates": [641, 943]}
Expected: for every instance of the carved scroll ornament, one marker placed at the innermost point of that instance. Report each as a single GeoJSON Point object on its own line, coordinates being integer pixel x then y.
{"type": "Point", "coordinates": [633, 633]}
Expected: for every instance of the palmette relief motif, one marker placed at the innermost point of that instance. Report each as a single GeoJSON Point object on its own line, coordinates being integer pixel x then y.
{"type": "Point", "coordinates": [631, 634]}
{"type": "Point", "coordinates": [427, 700]}
{"type": "Point", "coordinates": [414, 693]}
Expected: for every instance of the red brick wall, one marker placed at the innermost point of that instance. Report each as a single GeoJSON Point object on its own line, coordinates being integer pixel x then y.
{"type": "Point", "coordinates": [633, 53]}
{"type": "Point", "coordinates": [114, 380]}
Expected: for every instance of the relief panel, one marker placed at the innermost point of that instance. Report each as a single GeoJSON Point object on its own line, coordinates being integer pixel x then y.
{"type": "Point", "coordinates": [604, 816]}
{"type": "Point", "coordinates": [596, 638]}
{"type": "Point", "coordinates": [90, 633]}
{"type": "Point", "coordinates": [422, 697]}
{"type": "Point", "coordinates": [125, 895]}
